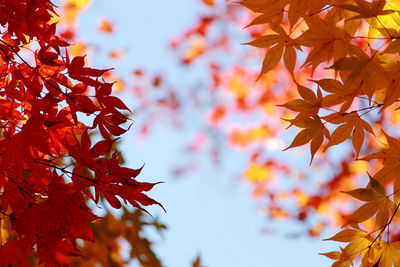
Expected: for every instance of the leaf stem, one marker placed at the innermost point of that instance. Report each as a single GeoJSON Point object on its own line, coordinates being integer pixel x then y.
{"type": "Point", "coordinates": [64, 170]}
{"type": "Point", "coordinates": [390, 220]}
{"type": "Point", "coordinates": [319, 11]}
{"type": "Point", "coordinates": [21, 189]}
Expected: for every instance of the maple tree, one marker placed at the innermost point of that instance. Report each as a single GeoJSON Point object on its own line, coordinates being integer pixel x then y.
{"type": "Point", "coordinates": [354, 41]}
{"type": "Point", "coordinates": [345, 88]}
{"type": "Point", "coordinates": [51, 165]}
{"type": "Point", "coordinates": [329, 69]}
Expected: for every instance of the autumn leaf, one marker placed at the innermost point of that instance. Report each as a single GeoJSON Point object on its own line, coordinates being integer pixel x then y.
{"type": "Point", "coordinates": [360, 243]}
{"type": "Point", "coordinates": [392, 90]}
{"type": "Point", "coordinates": [390, 255]}
{"type": "Point", "coordinates": [367, 9]}
{"type": "Point", "coordinates": [197, 262]}
{"type": "Point", "coordinates": [106, 26]}
{"type": "Point", "coordinates": [391, 157]}
{"type": "Point", "coordinates": [326, 40]}
{"type": "Point", "coordinates": [314, 131]}
{"type": "Point", "coordinates": [365, 194]}
{"type": "Point", "coordinates": [276, 43]}
{"type": "Point", "coordinates": [348, 235]}
{"type": "Point", "coordinates": [271, 59]}
{"type": "Point", "coordinates": [273, 13]}
{"type": "Point", "coordinates": [351, 124]}
{"type": "Point", "coordinates": [307, 107]}
{"type": "Point", "coordinates": [337, 94]}
{"type": "Point", "coordinates": [364, 73]}
{"type": "Point", "coordinates": [377, 202]}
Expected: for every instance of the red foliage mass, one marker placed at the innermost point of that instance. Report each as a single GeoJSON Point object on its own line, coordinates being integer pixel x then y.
{"type": "Point", "coordinates": [48, 165]}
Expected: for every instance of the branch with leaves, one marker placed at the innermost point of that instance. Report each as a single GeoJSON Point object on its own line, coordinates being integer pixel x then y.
{"type": "Point", "coordinates": [353, 76]}
{"type": "Point", "coordinates": [50, 166]}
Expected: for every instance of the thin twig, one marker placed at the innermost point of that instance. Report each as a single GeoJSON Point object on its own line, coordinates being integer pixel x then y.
{"type": "Point", "coordinates": [64, 170]}
{"type": "Point", "coordinates": [22, 190]}
{"type": "Point", "coordinates": [390, 220]}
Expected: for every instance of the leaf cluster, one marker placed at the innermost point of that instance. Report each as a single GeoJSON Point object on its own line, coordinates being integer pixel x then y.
{"type": "Point", "coordinates": [50, 164]}
{"type": "Point", "coordinates": [351, 47]}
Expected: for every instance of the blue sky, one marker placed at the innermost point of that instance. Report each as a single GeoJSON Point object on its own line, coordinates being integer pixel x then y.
{"type": "Point", "coordinates": [210, 212]}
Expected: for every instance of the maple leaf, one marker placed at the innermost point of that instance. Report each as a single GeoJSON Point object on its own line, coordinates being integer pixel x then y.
{"type": "Point", "coordinates": [367, 9]}
{"type": "Point", "coordinates": [307, 118]}
{"type": "Point", "coordinates": [338, 94]}
{"type": "Point", "coordinates": [390, 255]}
{"type": "Point", "coordinates": [14, 252]}
{"type": "Point", "coordinates": [359, 241]}
{"type": "Point", "coordinates": [271, 59]}
{"type": "Point", "coordinates": [377, 202]}
{"type": "Point", "coordinates": [363, 74]}
{"type": "Point", "coordinates": [314, 131]}
{"type": "Point", "coordinates": [307, 107]}
{"type": "Point", "coordinates": [394, 36]}
{"type": "Point", "coordinates": [110, 231]}
{"type": "Point", "coordinates": [262, 6]}
{"type": "Point", "coordinates": [271, 13]}
{"type": "Point", "coordinates": [351, 124]}
{"type": "Point", "coordinates": [348, 235]}
{"type": "Point", "coordinates": [326, 40]}
{"type": "Point", "coordinates": [303, 8]}
{"type": "Point", "coordinates": [281, 44]}
{"type": "Point", "coordinates": [392, 90]}
{"type": "Point", "coordinates": [391, 163]}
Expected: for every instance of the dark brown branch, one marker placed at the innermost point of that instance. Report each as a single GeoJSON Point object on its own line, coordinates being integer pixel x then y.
{"type": "Point", "coordinates": [64, 170]}
{"type": "Point", "coordinates": [21, 189]}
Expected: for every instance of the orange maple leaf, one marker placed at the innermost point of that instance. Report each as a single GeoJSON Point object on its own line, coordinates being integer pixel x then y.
{"type": "Point", "coordinates": [362, 73]}
{"type": "Point", "coordinates": [280, 42]}
{"type": "Point", "coordinates": [326, 40]}
{"type": "Point", "coordinates": [307, 107]}
{"type": "Point", "coordinates": [314, 131]}
{"type": "Point", "coordinates": [351, 124]}
{"type": "Point", "coordinates": [391, 160]}
{"type": "Point", "coordinates": [367, 9]}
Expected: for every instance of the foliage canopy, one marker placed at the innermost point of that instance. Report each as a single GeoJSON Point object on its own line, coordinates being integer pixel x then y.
{"type": "Point", "coordinates": [330, 69]}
